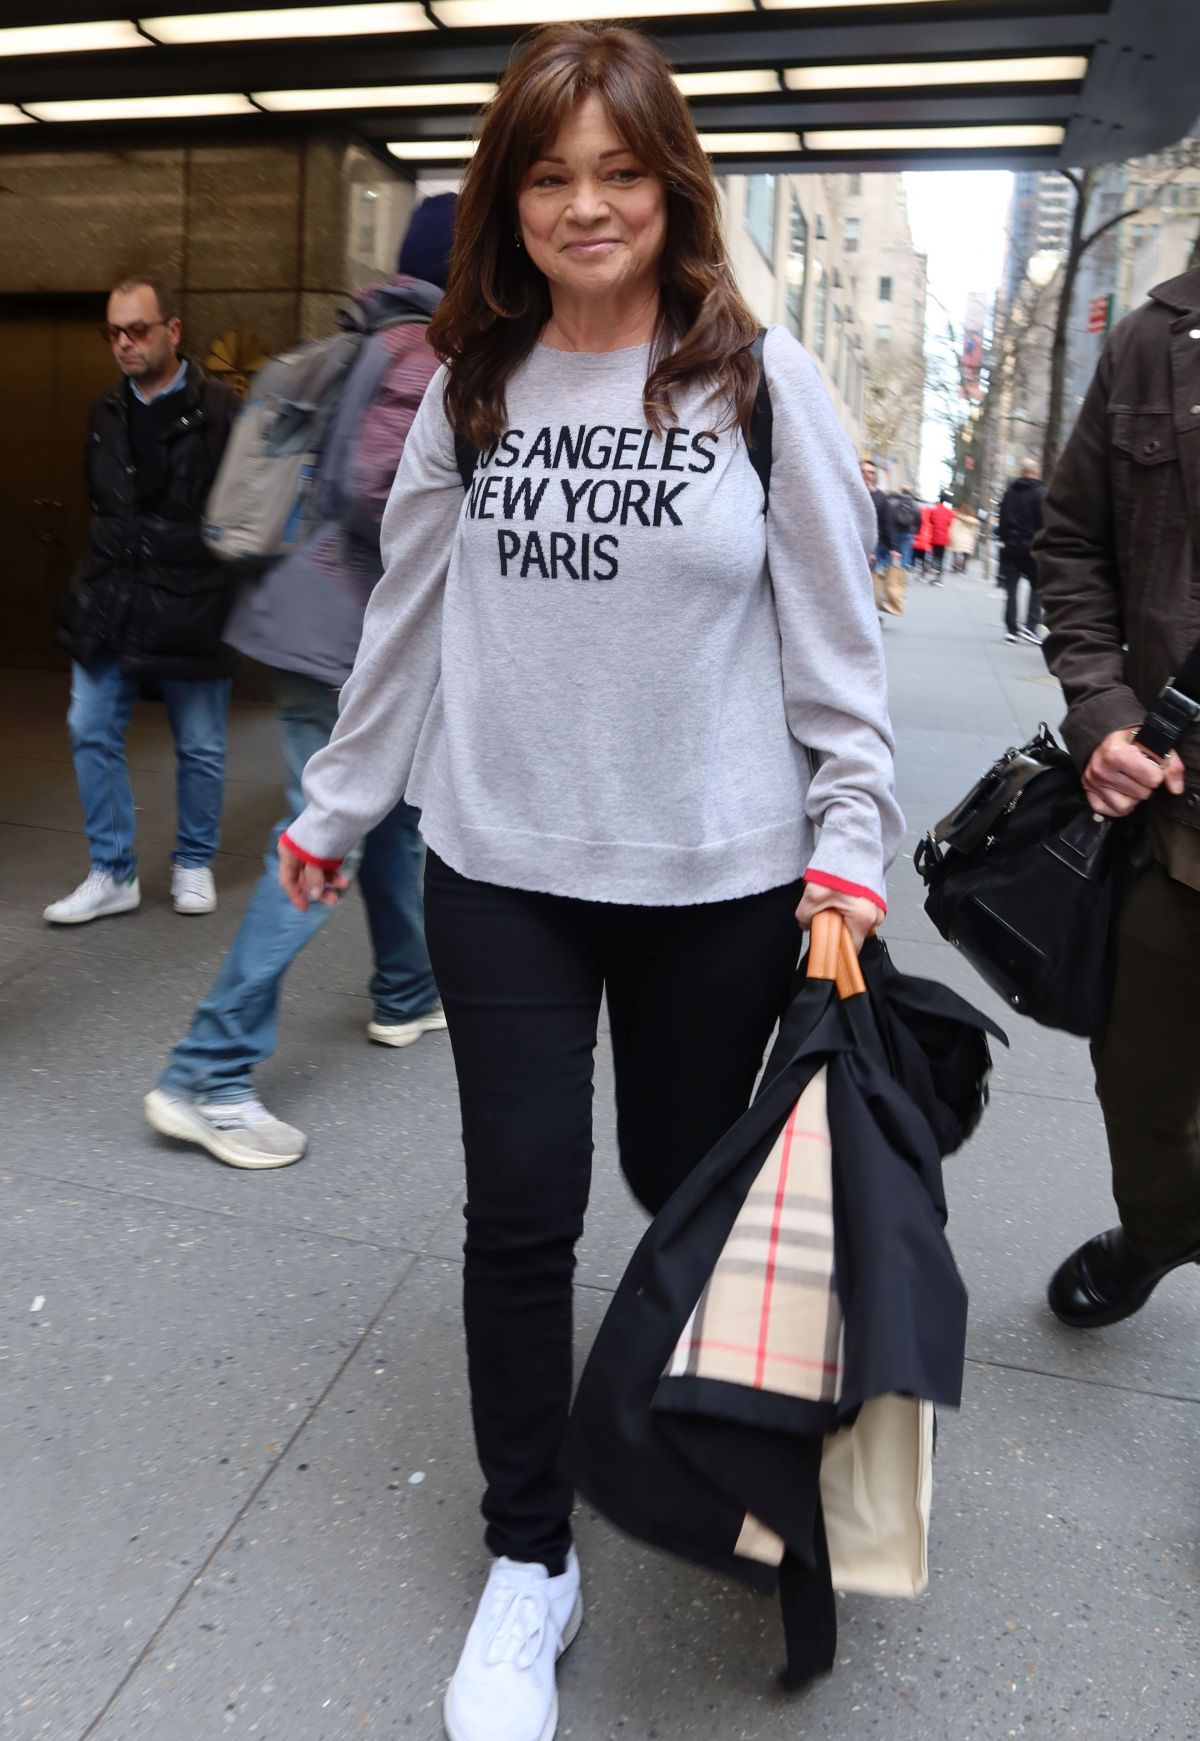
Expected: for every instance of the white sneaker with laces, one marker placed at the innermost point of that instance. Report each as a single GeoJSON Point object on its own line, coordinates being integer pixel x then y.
{"type": "Point", "coordinates": [241, 1133]}
{"type": "Point", "coordinates": [193, 889]}
{"type": "Point", "coordinates": [405, 1033]}
{"type": "Point", "coordinates": [503, 1688]}
{"type": "Point", "coordinates": [98, 896]}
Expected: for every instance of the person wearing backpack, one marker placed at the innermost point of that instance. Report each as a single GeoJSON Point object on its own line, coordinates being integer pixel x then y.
{"type": "Point", "coordinates": [148, 605]}
{"type": "Point", "coordinates": [906, 523]}
{"type": "Point", "coordinates": [625, 681]}
{"type": "Point", "coordinates": [303, 618]}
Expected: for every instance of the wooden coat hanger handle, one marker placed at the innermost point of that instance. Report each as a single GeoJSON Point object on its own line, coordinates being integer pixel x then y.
{"type": "Point", "coordinates": [832, 955]}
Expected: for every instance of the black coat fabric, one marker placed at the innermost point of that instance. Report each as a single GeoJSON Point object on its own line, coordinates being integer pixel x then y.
{"type": "Point", "coordinates": [679, 1463]}
{"type": "Point", "coordinates": [1021, 516]}
{"type": "Point", "coordinates": [884, 530]}
{"type": "Point", "coordinates": [148, 592]}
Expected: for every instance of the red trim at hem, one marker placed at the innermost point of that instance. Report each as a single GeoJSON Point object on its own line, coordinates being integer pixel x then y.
{"type": "Point", "coordinates": [824, 880]}
{"type": "Point", "coordinates": [325, 864]}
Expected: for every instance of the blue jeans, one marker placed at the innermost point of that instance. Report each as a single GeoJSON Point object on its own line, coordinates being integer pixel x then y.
{"type": "Point", "coordinates": [235, 1027]}
{"type": "Point", "coordinates": [904, 544]}
{"type": "Point", "coordinates": [102, 700]}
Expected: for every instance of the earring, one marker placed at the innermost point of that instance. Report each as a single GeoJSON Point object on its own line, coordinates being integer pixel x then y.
{"type": "Point", "coordinates": [518, 238]}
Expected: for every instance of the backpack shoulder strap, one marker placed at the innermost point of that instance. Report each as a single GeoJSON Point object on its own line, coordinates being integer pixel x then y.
{"type": "Point", "coordinates": [761, 419]}
{"type": "Point", "coordinates": [467, 457]}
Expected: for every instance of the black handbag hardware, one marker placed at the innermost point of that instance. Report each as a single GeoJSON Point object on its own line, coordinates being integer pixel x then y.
{"type": "Point", "coordinates": [971, 822]}
{"type": "Point", "coordinates": [1081, 846]}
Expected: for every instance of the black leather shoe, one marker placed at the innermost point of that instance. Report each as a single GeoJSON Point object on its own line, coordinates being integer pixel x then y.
{"type": "Point", "coordinates": [1105, 1281]}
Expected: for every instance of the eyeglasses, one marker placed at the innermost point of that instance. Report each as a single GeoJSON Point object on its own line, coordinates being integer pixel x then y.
{"type": "Point", "coordinates": [136, 332]}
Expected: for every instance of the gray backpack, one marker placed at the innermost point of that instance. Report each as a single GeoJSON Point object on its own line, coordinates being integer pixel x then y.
{"type": "Point", "coordinates": [263, 503]}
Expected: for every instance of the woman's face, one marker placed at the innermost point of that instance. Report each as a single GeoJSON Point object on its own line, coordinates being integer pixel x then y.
{"type": "Point", "coordinates": [592, 217]}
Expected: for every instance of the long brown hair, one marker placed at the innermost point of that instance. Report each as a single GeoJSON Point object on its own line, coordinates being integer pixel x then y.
{"type": "Point", "coordinates": [497, 302]}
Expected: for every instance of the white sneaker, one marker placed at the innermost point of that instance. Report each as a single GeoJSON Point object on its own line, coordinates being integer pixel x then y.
{"type": "Point", "coordinates": [193, 889]}
{"type": "Point", "coordinates": [503, 1688]}
{"type": "Point", "coordinates": [242, 1133]}
{"type": "Point", "coordinates": [405, 1033]}
{"type": "Point", "coordinates": [1028, 634]}
{"type": "Point", "coordinates": [98, 896]}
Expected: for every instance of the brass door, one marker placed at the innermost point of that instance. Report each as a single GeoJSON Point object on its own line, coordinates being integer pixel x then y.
{"type": "Point", "coordinates": [50, 371]}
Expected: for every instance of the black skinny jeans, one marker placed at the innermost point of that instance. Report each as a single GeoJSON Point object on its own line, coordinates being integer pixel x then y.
{"type": "Point", "coordinates": [693, 993]}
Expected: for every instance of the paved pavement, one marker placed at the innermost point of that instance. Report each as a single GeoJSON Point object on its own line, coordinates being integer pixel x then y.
{"type": "Point", "coordinates": [238, 1487]}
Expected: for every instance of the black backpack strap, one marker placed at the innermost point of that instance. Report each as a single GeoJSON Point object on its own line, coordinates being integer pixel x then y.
{"type": "Point", "coordinates": [1176, 710]}
{"type": "Point", "coordinates": [467, 457]}
{"type": "Point", "coordinates": [761, 419]}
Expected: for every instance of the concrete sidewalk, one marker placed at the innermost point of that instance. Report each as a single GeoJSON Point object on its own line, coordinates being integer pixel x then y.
{"type": "Point", "coordinates": [239, 1493]}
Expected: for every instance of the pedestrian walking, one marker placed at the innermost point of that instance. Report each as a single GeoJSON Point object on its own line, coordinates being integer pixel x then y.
{"type": "Point", "coordinates": [906, 523]}
{"type": "Point", "coordinates": [964, 536]}
{"type": "Point", "coordinates": [1117, 570]}
{"type": "Point", "coordinates": [149, 605]}
{"type": "Point", "coordinates": [303, 619]}
{"type": "Point", "coordinates": [885, 563]}
{"type": "Point", "coordinates": [941, 519]}
{"type": "Point", "coordinates": [923, 541]}
{"type": "Point", "coordinates": [1019, 523]}
{"type": "Point", "coordinates": [623, 682]}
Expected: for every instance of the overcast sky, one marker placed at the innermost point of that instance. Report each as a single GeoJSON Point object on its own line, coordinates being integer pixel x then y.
{"type": "Point", "coordinates": [957, 219]}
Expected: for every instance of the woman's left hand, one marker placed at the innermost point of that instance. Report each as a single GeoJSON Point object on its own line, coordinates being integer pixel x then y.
{"type": "Point", "coordinates": [862, 917]}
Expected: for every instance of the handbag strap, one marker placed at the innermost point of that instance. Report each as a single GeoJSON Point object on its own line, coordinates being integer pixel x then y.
{"type": "Point", "coordinates": [1176, 709]}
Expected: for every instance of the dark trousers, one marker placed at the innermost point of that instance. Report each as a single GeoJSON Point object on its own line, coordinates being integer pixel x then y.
{"type": "Point", "coordinates": [938, 558]}
{"type": "Point", "coordinates": [1013, 570]}
{"type": "Point", "coordinates": [1148, 1068]}
{"type": "Point", "coordinates": [692, 996]}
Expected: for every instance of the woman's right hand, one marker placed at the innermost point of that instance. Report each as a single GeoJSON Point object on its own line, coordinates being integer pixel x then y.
{"type": "Point", "coordinates": [304, 883]}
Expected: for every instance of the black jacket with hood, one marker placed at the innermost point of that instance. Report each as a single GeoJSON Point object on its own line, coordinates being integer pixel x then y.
{"type": "Point", "coordinates": [148, 592]}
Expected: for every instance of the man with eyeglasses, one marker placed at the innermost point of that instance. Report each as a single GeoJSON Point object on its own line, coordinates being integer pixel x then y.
{"type": "Point", "coordinates": [149, 605]}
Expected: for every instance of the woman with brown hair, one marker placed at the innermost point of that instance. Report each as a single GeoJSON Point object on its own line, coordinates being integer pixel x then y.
{"type": "Point", "coordinates": [624, 688]}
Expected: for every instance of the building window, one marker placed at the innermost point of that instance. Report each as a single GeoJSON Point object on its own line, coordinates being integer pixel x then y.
{"type": "Point", "coordinates": [797, 269]}
{"type": "Point", "coordinates": [1173, 194]}
{"type": "Point", "coordinates": [821, 236]}
{"type": "Point", "coordinates": [1138, 231]}
{"type": "Point", "coordinates": [820, 307]}
{"type": "Point", "coordinates": [883, 333]}
{"type": "Point", "coordinates": [851, 234]}
{"type": "Point", "coordinates": [885, 290]}
{"type": "Point", "coordinates": [856, 184]}
{"type": "Point", "coordinates": [760, 213]}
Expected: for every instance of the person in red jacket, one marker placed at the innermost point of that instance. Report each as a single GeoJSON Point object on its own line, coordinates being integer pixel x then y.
{"type": "Point", "coordinates": [923, 542]}
{"type": "Point", "coordinates": [941, 519]}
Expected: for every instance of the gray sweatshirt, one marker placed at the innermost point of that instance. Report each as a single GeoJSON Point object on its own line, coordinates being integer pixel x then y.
{"type": "Point", "coordinates": [601, 671]}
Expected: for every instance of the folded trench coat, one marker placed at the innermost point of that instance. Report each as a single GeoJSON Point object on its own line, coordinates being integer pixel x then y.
{"type": "Point", "coordinates": [760, 1396]}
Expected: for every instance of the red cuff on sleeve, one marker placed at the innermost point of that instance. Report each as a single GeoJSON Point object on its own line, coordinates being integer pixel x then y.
{"type": "Point", "coordinates": [824, 880]}
{"type": "Point", "coordinates": [325, 864]}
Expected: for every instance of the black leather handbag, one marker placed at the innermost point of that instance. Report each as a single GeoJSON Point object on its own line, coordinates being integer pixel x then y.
{"type": "Point", "coordinates": [1027, 882]}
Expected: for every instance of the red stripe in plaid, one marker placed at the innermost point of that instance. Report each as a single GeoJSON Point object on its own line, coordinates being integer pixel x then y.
{"type": "Point", "coordinates": [764, 1333]}
{"type": "Point", "coordinates": [699, 1343]}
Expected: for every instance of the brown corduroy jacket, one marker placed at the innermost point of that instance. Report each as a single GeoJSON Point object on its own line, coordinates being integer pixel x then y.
{"type": "Point", "coordinates": [1118, 560]}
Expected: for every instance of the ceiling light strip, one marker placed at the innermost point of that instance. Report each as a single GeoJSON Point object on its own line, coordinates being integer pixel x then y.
{"type": "Point", "coordinates": [469, 14]}
{"type": "Point", "coordinates": [144, 108]}
{"type": "Point", "coordinates": [433, 150]}
{"type": "Point", "coordinates": [377, 18]}
{"type": "Point", "coordinates": [855, 139]}
{"type": "Point", "coordinates": [448, 96]}
{"type": "Point", "coordinates": [1017, 70]}
{"type": "Point", "coordinates": [70, 38]}
{"type": "Point", "coordinates": [749, 144]}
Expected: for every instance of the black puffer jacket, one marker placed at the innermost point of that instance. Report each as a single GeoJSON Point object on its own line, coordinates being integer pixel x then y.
{"type": "Point", "coordinates": [148, 592]}
{"type": "Point", "coordinates": [1021, 516]}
